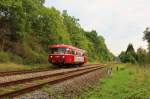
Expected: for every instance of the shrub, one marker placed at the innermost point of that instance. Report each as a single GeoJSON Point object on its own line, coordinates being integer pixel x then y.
{"type": "Point", "coordinates": [4, 57]}
{"type": "Point", "coordinates": [36, 58]}
{"type": "Point", "coordinates": [16, 59]}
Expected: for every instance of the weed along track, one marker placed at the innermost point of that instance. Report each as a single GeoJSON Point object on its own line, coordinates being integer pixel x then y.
{"type": "Point", "coordinates": [17, 87]}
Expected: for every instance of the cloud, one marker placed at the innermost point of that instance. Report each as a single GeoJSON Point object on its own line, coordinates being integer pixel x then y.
{"type": "Point", "coordinates": [120, 21]}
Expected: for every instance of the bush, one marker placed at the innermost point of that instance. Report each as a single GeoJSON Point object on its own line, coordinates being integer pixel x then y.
{"type": "Point", "coordinates": [16, 59]}
{"type": "Point", "coordinates": [36, 58]}
{"type": "Point", "coordinates": [4, 57]}
{"type": "Point", "coordinates": [9, 57]}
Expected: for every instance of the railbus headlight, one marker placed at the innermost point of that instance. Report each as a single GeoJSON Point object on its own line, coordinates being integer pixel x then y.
{"type": "Point", "coordinates": [63, 56]}
{"type": "Point", "coordinates": [51, 56]}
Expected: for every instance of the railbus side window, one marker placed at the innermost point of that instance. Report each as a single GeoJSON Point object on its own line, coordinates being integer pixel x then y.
{"type": "Point", "coordinates": [77, 53]}
{"type": "Point", "coordinates": [73, 52]}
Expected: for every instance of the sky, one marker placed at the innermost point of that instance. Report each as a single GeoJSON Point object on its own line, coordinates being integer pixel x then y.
{"type": "Point", "coordinates": [120, 22]}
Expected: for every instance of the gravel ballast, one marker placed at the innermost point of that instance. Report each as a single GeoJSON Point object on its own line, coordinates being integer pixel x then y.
{"type": "Point", "coordinates": [31, 75]}
{"type": "Point", "coordinates": [69, 89]}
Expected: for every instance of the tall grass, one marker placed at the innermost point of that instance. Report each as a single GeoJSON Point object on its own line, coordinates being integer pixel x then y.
{"type": "Point", "coordinates": [13, 67]}
{"type": "Point", "coordinates": [16, 67]}
{"type": "Point", "coordinates": [129, 82]}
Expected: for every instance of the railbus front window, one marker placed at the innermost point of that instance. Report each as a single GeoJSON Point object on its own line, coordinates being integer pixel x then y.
{"type": "Point", "coordinates": [57, 50]}
{"type": "Point", "coordinates": [67, 51]}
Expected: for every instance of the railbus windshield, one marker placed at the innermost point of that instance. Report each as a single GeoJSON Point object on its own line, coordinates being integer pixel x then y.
{"type": "Point", "coordinates": [58, 50]}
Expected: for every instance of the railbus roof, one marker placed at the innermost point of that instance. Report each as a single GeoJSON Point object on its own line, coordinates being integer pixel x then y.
{"type": "Point", "coordinates": [65, 46]}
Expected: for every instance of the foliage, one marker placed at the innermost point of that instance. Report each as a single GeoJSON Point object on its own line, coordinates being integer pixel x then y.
{"type": "Point", "coordinates": [130, 49]}
{"type": "Point", "coordinates": [4, 57]}
{"type": "Point", "coordinates": [147, 38]}
{"type": "Point", "coordinates": [142, 56]}
{"type": "Point", "coordinates": [27, 27]}
{"type": "Point", "coordinates": [147, 35]}
{"type": "Point", "coordinates": [128, 56]}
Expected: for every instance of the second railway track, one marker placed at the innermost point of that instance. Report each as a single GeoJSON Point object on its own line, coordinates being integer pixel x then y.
{"type": "Point", "coordinates": [33, 83]}
{"type": "Point", "coordinates": [10, 73]}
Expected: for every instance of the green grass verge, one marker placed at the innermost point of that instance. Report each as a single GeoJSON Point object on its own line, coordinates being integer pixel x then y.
{"type": "Point", "coordinates": [16, 67]}
{"type": "Point", "coordinates": [129, 82]}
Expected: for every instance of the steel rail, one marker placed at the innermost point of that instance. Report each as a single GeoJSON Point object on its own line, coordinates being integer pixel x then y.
{"type": "Point", "coordinates": [10, 83]}
{"type": "Point", "coordinates": [53, 80]}
{"type": "Point", "coordinates": [10, 73]}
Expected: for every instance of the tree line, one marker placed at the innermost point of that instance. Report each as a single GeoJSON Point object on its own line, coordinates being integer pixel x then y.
{"type": "Point", "coordinates": [27, 27]}
{"type": "Point", "coordinates": [141, 56]}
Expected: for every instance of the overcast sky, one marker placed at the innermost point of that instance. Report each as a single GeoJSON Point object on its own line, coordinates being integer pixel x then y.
{"type": "Point", "coordinates": [120, 22]}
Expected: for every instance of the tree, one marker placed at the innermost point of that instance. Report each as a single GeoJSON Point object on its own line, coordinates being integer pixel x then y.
{"type": "Point", "coordinates": [129, 56]}
{"type": "Point", "coordinates": [130, 49]}
{"type": "Point", "coordinates": [147, 38]}
{"type": "Point", "coordinates": [16, 19]}
{"type": "Point", "coordinates": [142, 56]}
{"type": "Point", "coordinates": [50, 29]}
{"type": "Point", "coordinates": [122, 57]}
{"type": "Point", "coordinates": [147, 35]}
{"type": "Point", "coordinates": [27, 27]}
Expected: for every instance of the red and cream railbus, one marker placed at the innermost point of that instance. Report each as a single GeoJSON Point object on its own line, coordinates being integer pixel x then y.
{"type": "Point", "coordinates": [61, 54]}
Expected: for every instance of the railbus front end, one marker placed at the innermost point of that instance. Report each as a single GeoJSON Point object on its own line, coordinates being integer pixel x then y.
{"type": "Point", "coordinates": [66, 55]}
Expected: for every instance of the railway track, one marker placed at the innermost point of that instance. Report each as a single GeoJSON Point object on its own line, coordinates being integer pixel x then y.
{"type": "Point", "coordinates": [10, 73]}
{"type": "Point", "coordinates": [30, 84]}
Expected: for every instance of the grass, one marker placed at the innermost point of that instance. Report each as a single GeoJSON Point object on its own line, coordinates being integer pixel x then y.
{"type": "Point", "coordinates": [129, 82]}
{"type": "Point", "coordinates": [16, 67]}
